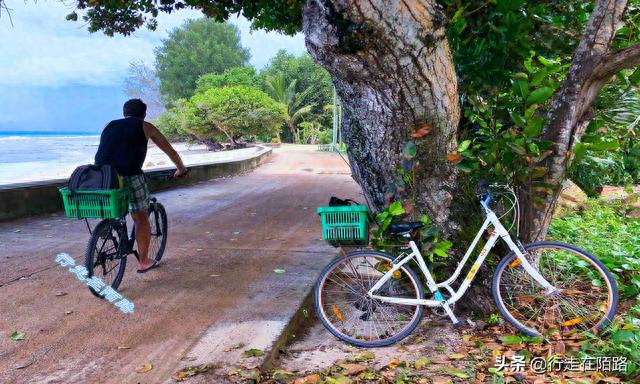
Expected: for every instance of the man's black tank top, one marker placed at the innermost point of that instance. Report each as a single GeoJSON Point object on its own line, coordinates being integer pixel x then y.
{"type": "Point", "coordinates": [123, 145]}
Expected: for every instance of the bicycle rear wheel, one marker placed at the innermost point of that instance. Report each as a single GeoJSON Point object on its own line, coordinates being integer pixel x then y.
{"type": "Point", "coordinates": [106, 255]}
{"type": "Point", "coordinates": [159, 226]}
{"type": "Point", "coordinates": [586, 298]}
{"type": "Point", "coordinates": [344, 308]}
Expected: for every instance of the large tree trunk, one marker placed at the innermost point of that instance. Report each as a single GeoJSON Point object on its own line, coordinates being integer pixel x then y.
{"type": "Point", "coordinates": [391, 65]}
{"type": "Point", "coordinates": [592, 67]}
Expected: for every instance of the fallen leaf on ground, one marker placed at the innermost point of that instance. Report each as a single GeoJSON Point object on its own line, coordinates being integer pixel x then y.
{"type": "Point", "coordinates": [236, 346]}
{"type": "Point", "coordinates": [394, 363]}
{"type": "Point", "coordinates": [441, 380]}
{"type": "Point", "coordinates": [61, 294]}
{"type": "Point", "coordinates": [352, 369]}
{"type": "Point", "coordinates": [253, 352]}
{"type": "Point", "coordinates": [145, 368]}
{"type": "Point", "coordinates": [124, 347]}
{"type": "Point", "coordinates": [421, 363]}
{"type": "Point", "coordinates": [280, 374]}
{"type": "Point", "coordinates": [456, 356]}
{"type": "Point", "coordinates": [338, 380]}
{"type": "Point", "coordinates": [360, 357]}
{"type": "Point", "coordinates": [17, 336]}
{"type": "Point", "coordinates": [68, 312]}
{"type": "Point", "coordinates": [455, 372]}
{"type": "Point", "coordinates": [311, 379]}
{"type": "Point", "coordinates": [279, 270]}
{"type": "Point", "coordinates": [191, 371]}
{"type": "Point", "coordinates": [23, 365]}
{"type": "Point", "coordinates": [214, 275]}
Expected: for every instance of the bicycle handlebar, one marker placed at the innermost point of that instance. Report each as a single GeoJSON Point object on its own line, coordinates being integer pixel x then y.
{"type": "Point", "coordinates": [169, 175]}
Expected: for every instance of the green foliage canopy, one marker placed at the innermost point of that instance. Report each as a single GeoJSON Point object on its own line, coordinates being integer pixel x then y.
{"type": "Point", "coordinates": [231, 77]}
{"type": "Point", "coordinates": [124, 17]}
{"type": "Point", "coordinates": [197, 48]}
{"type": "Point", "coordinates": [231, 112]}
{"type": "Point", "coordinates": [312, 82]}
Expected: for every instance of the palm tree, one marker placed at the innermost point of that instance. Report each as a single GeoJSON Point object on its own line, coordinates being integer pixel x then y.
{"type": "Point", "coordinates": [280, 91]}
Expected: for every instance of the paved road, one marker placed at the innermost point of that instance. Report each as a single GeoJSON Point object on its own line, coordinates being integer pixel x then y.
{"type": "Point", "coordinates": [216, 286]}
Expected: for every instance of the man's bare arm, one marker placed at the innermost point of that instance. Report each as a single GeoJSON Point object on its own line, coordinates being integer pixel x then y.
{"type": "Point", "coordinates": [157, 137]}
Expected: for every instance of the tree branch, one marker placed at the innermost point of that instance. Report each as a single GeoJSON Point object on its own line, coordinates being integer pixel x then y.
{"type": "Point", "coordinates": [614, 62]}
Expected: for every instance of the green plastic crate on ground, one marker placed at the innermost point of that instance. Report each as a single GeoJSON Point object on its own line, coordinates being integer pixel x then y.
{"type": "Point", "coordinates": [85, 204]}
{"type": "Point", "coordinates": [345, 225]}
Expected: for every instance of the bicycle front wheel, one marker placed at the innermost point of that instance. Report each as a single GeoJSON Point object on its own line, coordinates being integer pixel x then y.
{"type": "Point", "coordinates": [344, 308]}
{"type": "Point", "coordinates": [159, 226]}
{"type": "Point", "coordinates": [585, 300]}
{"type": "Point", "coordinates": [105, 256]}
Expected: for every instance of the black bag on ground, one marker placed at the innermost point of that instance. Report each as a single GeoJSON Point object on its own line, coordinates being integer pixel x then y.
{"type": "Point", "coordinates": [94, 177]}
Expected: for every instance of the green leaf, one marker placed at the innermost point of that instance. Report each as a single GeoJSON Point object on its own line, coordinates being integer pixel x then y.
{"type": "Point", "coordinates": [253, 352]}
{"type": "Point", "coordinates": [546, 62]}
{"type": "Point", "coordinates": [522, 87]}
{"type": "Point", "coordinates": [534, 126]}
{"type": "Point", "coordinates": [530, 111]}
{"type": "Point", "coordinates": [521, 76]}
{"type": "Point", "coordinates": [382, 216]}
{"type": "Point", "coordinates": [511, 339]}
{"type": "Point", "coordinates": [518, 119]}
{"type": "Point", "coordinates": [426, 220]}
{"type": "Point", "coordinates": [517, 148]}
{"type": "Point", "coordinates": [622, 336]}
{"type": "Point", "coordinates": [279, 270]}
{"type": "Point", "coordinates": [464, 145]}
{"type": "Point", "coordinates": [457, 15]}
{"type": "Point", "coordinates": [579, 150]}
{"type": "Point", "coordinates": [17, 336]}
{"type": "Point", "coordinates": [540, 95]}
{"type": "Point", "coordinates": [602, 145]}
{"type": "Point", "coordinates": [634, 78]}
{"type": "Point", "coordinates": [396, 209]}
{"type": "Point", "coordinates": [444, 245]}
{"type": "Point", "coordinates": [409, 150]}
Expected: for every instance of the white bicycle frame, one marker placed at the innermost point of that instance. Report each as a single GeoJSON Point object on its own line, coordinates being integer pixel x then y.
{"type": "Point", "coordinates": [499, 231]}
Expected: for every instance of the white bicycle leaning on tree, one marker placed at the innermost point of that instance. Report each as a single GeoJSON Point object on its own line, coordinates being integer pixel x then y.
{"type": "Point", "coordinates": [372, 299]}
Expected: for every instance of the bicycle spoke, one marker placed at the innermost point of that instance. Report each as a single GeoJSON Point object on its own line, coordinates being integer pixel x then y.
{"type": "Point", "coordinates": [351, 312]}
{"type": "Point", "coordinates": [576, 304]}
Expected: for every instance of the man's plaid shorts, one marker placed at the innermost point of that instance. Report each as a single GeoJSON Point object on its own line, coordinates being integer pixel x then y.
{"type": "Point", "coordinates": [139, 192]}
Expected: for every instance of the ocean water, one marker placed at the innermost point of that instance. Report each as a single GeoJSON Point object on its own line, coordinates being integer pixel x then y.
{"type": "Point", "coordinates": [31, 156]}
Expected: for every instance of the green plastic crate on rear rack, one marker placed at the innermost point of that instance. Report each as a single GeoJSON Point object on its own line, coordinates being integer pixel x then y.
{"type": "Point", "coordinates": [346, 225]}
{"type": "Point", "coordinates": [95, 204]}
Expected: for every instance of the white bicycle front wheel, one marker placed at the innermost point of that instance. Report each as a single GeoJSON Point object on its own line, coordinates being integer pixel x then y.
{"type": "Point", "coordinates": [344, 308]}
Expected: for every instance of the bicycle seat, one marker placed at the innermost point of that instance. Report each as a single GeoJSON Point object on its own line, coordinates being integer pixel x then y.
{"type": "Point", "coordinates": [400, 228]}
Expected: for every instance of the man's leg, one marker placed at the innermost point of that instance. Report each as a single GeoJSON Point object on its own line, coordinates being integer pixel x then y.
{"type": "Point", "coordinates": [143, 237]}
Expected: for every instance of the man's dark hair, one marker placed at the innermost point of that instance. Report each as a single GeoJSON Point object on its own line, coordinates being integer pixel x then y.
{"type": "Point", "coordinates": [134, 108]}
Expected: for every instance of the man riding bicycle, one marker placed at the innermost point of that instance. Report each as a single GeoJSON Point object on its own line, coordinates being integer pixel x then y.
{"type": "Point", "coordinates": [123, 145]}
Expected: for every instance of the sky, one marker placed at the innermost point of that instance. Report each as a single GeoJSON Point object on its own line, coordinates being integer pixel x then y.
{"type": "Point", "coordinates": [56, 76]}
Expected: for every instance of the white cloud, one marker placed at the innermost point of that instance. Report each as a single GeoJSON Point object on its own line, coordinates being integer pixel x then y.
{"type": "Point", "coordinates": [43, 49]}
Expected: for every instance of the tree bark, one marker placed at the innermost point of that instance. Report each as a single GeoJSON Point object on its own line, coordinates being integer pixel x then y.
{"type": "Point", "coordinates": [591, 68]}
{"type": "Point", "coordinates": [391, 65]}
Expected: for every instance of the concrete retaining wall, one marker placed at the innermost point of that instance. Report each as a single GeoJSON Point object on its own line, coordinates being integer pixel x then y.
{"type": "Point", "coordinates": [27, 199]}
